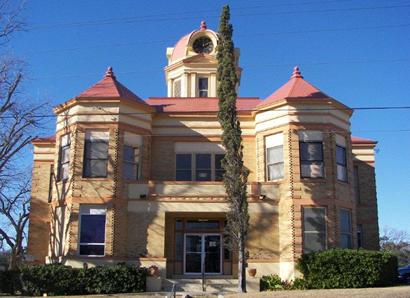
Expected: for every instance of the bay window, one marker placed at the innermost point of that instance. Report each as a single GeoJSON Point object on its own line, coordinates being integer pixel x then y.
{"type": "Point", "coordinates": [92, 230]}
{"type": "Point", "coordinates": [341, 159]}
{"type": "Point", "coordinates": [274, 156]}
{"type": "Point", "coordinates": [64, 158]}
{"type": "Point", "coordinates": [96, 154]}
{"type": "Point", "coordinates": [132, 156]}
{"type": "Point", "coordinates": [314, 229]}
{"type": "Point", "coordinates": [311, 154]}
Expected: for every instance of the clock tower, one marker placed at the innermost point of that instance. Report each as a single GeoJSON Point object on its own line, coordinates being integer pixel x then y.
{"type": "Point", "coordinates": [192, 64]}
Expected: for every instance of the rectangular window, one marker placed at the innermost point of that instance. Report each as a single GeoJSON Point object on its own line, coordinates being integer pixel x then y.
{"type": "Point", "coordinates": [64, 158]}
{"type": "Point", "coordinates": [177, 88]}
{"type": "Point", "coordinates": [92, 230]}
{"type": "Point", "coordinates": [341, 163]}
{"type": "Point", "coordinates": [203, 168]}
{"type": "Point", "coordinates": [219, 171]}
{"type": "Point", "coordinates": [345, 228]}
{"type": "Point", "coordinates": [311, 159]}
{"type": "Point", "coordinates": [131, 162]}
{"type": "Point", "coordinates": [274, 156]}
{"type": "Point", "coordinates": [356, 186]}
{"type": "Point", "coordinates": [314, 229]}
{"type": "Point", "coordinates": [183, 167]}
{"type": "Point", "coordinates": [203, 87]}
{"type": "Point", "coordinates": [96, 154]}
{"type": "Point", "coordinates": [359, 236]}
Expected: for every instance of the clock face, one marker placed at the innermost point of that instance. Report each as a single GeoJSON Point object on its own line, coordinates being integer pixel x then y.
{"type": "Point", "coordinates": [203, 45]}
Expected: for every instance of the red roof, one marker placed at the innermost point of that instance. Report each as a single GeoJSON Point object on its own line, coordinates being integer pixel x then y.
{"type": "Point", "coordinates": [109, 87]}
{"type": "Point", "coordinates": [197, 104]}
{"type": "Point", "coordinates": [296, 87]}
{"type": "Point", "coordinates": [357, 140]}
{"type": "Point", "coordinates": [48, 139]}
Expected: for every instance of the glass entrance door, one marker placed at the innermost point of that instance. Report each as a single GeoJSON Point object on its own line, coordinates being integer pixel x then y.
{"type": "Point", "coordinates": [202, 252]}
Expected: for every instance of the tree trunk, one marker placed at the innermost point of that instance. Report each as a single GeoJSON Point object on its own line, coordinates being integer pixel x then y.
{"type": "Point", "coordinates": [241, 265]}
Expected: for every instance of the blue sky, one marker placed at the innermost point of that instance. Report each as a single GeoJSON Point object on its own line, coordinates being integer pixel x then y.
{"type": "Point", "coordinates": [355, 51]}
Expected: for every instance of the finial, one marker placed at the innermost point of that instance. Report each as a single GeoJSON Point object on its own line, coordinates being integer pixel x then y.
{"type": "Point", "coordinates": [296, 73]}
{"type": "Point", "coordinates": [109, 73]}
{"type": "Point", "coordinates": [203, 25]}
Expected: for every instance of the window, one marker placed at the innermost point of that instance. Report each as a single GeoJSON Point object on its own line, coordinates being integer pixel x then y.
{"type": "Point", "coordinates": [345, 228]}
{"type": "Point", "coordinates": [177, 88]}
{"type": "Point", "coordinates": [203, 167]}
{"type": "Point", "coordinates": [314, 229]}
{"type": "Point", "coordinates": [95, 154]}
{"type": "Point", "coordinates": [183, 167]}
{"type": "Point", "coordinates": [219, 171]}
{"type": "Point", "coordinates": [64, 158]}
{"type": "Point", "coordinates": [199, 167]}
{"type": "Point", "coordinates": [203, 87]}
{"type": "Point", "coordinates": [274, 156]}
{"type": "Point", "coordinates": [341, 163]}
{"type": "Point", "coordinates": [356, 186]}
{"type": "Point", "coordinates": [311, 159]}
{"type": "Point", "coordinates": [92, 230]}
{"type": "Point", "coordinates": [131, 165]}
{"type": "Point", "coordinates": [360, 236]}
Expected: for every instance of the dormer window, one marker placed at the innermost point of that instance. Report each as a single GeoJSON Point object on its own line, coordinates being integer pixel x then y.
{"type": "Point", "coordinates": [203, 87]}
{"type": "Point", "coordinates": [177, 88]}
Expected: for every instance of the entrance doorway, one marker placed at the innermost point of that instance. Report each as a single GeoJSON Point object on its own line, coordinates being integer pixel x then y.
{"type": "Point", "coordinates": [202, 253]}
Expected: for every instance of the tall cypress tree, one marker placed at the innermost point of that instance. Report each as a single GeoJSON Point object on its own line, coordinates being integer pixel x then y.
{"type": "Point", "coordinates": [236, 175]}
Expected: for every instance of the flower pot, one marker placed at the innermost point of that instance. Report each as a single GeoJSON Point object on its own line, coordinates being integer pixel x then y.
{"type": "Point", "coordinates": [252, 272]}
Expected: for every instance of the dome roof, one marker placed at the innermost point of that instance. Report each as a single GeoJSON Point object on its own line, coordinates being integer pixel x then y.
{"type": "Point", "coordinates": [180, 48]}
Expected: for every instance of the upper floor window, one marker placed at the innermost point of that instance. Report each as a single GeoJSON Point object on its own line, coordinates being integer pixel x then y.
{"type": "Point", "coordinates": [203, 87]}
{"type": "Point", "coordinates": [314, 229]}
{"type": "Point", "coordinates": [199, 167]}
{"type": "Point", "coordinates": [341, 163]}
{"type": "Point", "coordinates": [311, 154]}
{"type": "Point", "coordinates": [132, 156]}
{"type": "Point", "coordinates": [177, 88]}
{"type": "Point", "coordinates": [92, 230]}
{"type": "Point", "coordinates": [96, 154]}
{"type": "Point", "coordinates": [341, 159]}
{"type": "Point", "coordinates": [274, 156]}
{"type": "Point", "coordinates": [64, 157]}
{"type": "Point", "coordinates": [345, 228]}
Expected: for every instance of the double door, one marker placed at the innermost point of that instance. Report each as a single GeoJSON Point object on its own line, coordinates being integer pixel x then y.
{"type": "Point", "coordinates": [202, 253]}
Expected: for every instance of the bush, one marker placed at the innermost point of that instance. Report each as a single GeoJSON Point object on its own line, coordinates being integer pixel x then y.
{"type": "Point", "coordinates": [346, 268]}
{"type": "Point", "coordinates": [271, 283]}
{"type": "Point", "coordinates": [63, 280]}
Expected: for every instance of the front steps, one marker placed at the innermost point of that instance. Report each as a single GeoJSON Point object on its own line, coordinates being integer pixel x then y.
{"type": "Point", "coordinates": [194, 286]}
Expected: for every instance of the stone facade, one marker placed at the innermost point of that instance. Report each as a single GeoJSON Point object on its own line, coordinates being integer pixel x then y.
{"type": "Point", "coordinates": [141, 214]}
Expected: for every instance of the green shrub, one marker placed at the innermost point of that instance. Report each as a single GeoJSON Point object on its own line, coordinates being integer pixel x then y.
{"type": "Point", "coordinates": [271, 283]}
{"type": "Point", "coordinates": [299, 284]}
{"type": "Point", "coordinates": [63, 280]}
{"type": "Point", "coordinates": [346, 268]}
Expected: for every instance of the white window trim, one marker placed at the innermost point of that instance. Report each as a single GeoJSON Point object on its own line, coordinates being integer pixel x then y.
{"type": "Point", "coordinates": [275, 141]}
{"type": "Point", "coordinates": [100, 207]}
{"type": "Point", "coordinates": [197, 84]}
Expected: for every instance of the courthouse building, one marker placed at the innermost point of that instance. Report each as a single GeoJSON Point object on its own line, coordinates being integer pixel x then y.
{"type": "Point", "coordinates": [139, 181]}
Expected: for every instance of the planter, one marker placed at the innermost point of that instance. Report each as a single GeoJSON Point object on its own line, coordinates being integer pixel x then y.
{"type": "Point", "coordinates": [154, 283]}
{"type": "Point", "coordinates": [252, 272]}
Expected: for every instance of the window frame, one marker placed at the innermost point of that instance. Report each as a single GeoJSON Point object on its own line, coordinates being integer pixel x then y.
{"type": "Point", "coordinates": [272, 164]}
{"type": "Point", "coordinates": [312, 162]}
{"type": "Point", "coordinates": [341, 165]}
{"type": "Point", "coordinates": [314, 232]}
{"type": "Point", "coordinates": [136, 163]}
{"type": "Point", "coordinates": [80, 226]}
{"type": "Point", "coordinates": [193, 168]}
{"type": "Point", "coordinates": [350, 233]}
{"type": "Point", "coordinates": [203, 90]}
{"type": "Point", "coordinates": [86, 160]}
{"type": "Point", "coordinates": [62, 164]}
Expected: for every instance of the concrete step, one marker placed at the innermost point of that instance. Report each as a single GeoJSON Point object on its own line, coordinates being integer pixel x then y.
{"type": "Point", "coordinates": [194, 286]}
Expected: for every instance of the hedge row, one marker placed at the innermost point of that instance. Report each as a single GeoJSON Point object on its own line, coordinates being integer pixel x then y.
{"type": "Point", "coordinates": [64, 280]}
{"type": "Point", "coordinates": [347, 268]}
{"type": "Point", "coordinates": [338, 268]}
